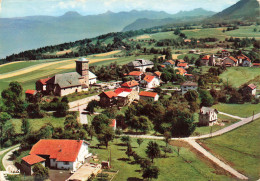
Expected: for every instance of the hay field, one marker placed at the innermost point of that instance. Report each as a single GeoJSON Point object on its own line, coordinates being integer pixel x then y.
{"type": "Point", "coordinates": [10, 63]}
{"type": "Point", "coordinates": [63, 52]}
{"type": "Point", "coordinates": [107, 54]}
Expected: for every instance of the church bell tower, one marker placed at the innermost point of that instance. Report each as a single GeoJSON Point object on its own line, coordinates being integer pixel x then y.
{"type": "Point", "coordinates": [82, 67]}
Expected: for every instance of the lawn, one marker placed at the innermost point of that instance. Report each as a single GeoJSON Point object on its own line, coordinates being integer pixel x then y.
{"type": "Point", "coordinates": [227, 121]}
{"type": "Point", "coordinates": [184, 167]}
{"type": "Point", "coordinates": [158, 36]}
{"type": "Point", "coordinates": [240, 148]}
{"type": "Point", "coordinates": [241, 110]}
{"type": "Point", "coordinates": [237, 76]}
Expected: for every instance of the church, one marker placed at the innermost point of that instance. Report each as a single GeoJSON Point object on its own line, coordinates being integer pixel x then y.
{"type": "Point", "coordinates": [68, 83]}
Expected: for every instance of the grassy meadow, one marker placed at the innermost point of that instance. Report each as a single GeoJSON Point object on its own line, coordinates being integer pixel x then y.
{"type": "Point", "coordinates": [245, 31]}
{"type": "Point", "coordinates": [174, 167]}
{"type": "Point", "coordinates": [237, 76]}
{"type": "Point", "coordinates": [242, 154]}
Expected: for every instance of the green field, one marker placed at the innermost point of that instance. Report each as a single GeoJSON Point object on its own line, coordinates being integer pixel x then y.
{"type": "Point", "coordinates": [204, 33]}
{"type": "Point", "coordinates": [241, 110]}
{"type": "Point", "coordinates": [240, 148]}
{"type": "Point", "coordinates": [245, 31]}
{"type": "Point", "coordinates": [184, 167]}
{"type": "Point", "coordinates": [28, 79]}
{"type": "Point", "coordinates": [237, 76]}
{"type": "Point", "coordinates": [18, 66]}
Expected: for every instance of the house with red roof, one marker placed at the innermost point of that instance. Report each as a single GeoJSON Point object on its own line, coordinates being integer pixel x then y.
{"type": "Point", "coordinates": [107, 99]}
{"type": "Point", "coordinates": [133, 84]}
{"type": "Point", "coordinates": [41, 85]}
{"type": "Point", "coordinates": [169, 63]}
{"type": "Point", "coordinates": [181, 71]}
{"type": "Point", "coordinates": [150, 81]}
{"type": "Point", "coordinates": [230, 62]}
{"type": "Point", "coordinates": [249, 89]}
{"type": "Point", "coordinates": [179, 61]}
{"type": "Point", "coordinates": [113, 124]}
{"type": "Point", "coordinates": [30, 95]}
{"type": "Point", "coordinates": [205, 60]}
{"type": "Point", "coordinates": [183, 65]}
{"type": "Point", "coordinates": [158, 74]}
{"type": "Point", "coordinates": [136, 74]}
{"type": "Point", "coordinates": [148, 96]}
{"type": "Point", "coordinates": [29, 161]}
{"type": "Point", "coordinates": [244, 60]}
{"type": "Point", "coordinates": [59, 154]}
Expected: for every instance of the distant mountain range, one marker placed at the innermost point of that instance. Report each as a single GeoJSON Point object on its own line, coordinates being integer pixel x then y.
{"type": "Point", "coordinates": [243, 9]}
{"type": "Point", "coordinates": [23, 33]}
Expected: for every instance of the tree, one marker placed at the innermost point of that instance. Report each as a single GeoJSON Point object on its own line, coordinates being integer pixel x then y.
{"type": "Point", "coordinates": [166, 76]}
{"type": "Point", "coordinates": [126, 140]}
{"type": "Point", "coordinates": [99, 122]}
{"type": "Point", "coordinates": [129, 150]}
{"type": "Point", "coordinates": [167, 136]}
{"type": "Point", "coordinates": [62, 108]}
{"type": "Point", "coordinates": [91, 106]}
{"type": "Point", "coordinates": [40, 172]}
{"type": "Point", "coordinates": [65, 99]}
{"type": "Point", "coordinates": [166, 149]}
{"type": "Point", "coordinates": [206, 99]}
{"type": "Point", "coordinates": [152, 150]}
{"type": "Point", "coordinates": [151, 172]}
{"type": "Point", "coordinates": [145, 163]}
{"type": "Point", "coordinates": [4, 117]}
{"type": "Point", "coordinates": [168, 53]}
{"type": "Point", "coordinates": [139, 141]}
{"type": "Point", "coordinates": [25, 126]}
{"type": "Point", "coordinates": [107, 134]}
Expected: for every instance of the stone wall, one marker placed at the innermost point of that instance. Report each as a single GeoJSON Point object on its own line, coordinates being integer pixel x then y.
{"type": "Point", "coordinates": [83, 101]}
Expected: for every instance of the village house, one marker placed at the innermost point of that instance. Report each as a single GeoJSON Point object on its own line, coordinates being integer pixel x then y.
{"type": "Point", "coordinates": [150, 82]}
{"type": "Point", "coordinates": [244, 61]}
{"type": "Point", "coordinates": [183, 65]}
{"type": "Point", "coordinates": [179, 61]}
{"type": "Point", "coordinates": [136, 74]}
{"type": "Point", "coordinates": [181, 71]}
{"type": "Point", "coordinates": [188, 85]}
{"type": "Point", "coordinates": [59, 154]}
{"type": "Point", "coordinates": [131, 85]}
{"type": "Point", "coordinates": [208, 116]}
{"type": "Point", "coordinates": [30, 95]}
{"type": "Point", "coordinates": [113, 124]}
{"type": "Point", "coordinates": [68, 83]}
{"type": "Point", "coordinates": [125, 96]}
{"type": "Point", "coordinates": [225, 53]}
{"type": "Point", "coordinates": [230, 62]}
{"type": "Point", "coordinates": [148, 96]}
{"type": "Point", "coordinates": [249, 90]}
{"type": "Point", "coordinates": [205, 60]}
{"type": "Point", "coordinates": [41, 85]}
{"type": "Point", "coordinates": [169, 63]}
{"type": "Point", "coordinates": [140, 64]}
{"type": "Point", "coordinates": [107, 99]}
{"type": "Point", "coordinates": [29, 161]}
{"type": "Point", "coordinates": [158, 74]}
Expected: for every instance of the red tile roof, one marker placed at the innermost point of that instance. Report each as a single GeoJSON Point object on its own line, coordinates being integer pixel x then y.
{"type": "Point", "coordinates": [29, 91]}
{"type": "Point", "coordinates": [32, 159]}
{"type": "Point", "coordinates": [120, 90]}
{"type": "Point", "coordinates": [232, 58]}
{"type": "Point", "coordinates": [130, 84]}
{"type": "Point", "coordinates": [135, 73]}
{"type": "Point", "coordinates": [163, 66]}
{"type": "Point", "coordinates": [182, 64]}
{"type": "Point", "coordinates": [188, 75]}
{"type": "Point", "coordinates": [148, 94]}
{"type": "Point", "coordinates": [158, 73]}
{"type": "Point", "coordinates": [181, 60]}
{"type": "Point", "coordinates": [256, 64]}
{"type": "Point", "coordinates": [113, 123]}
{"type": "Point", "coordinates": [243, 57]}
{"type": "Point", "coordinates": [252, 86]}
{"type": "Point", "coordinates": [171, 62]}
{"type": "Point", "coordinates": [206, 57]}
{"type": "Point", "coordinates": [43, 81]}
{"type": "Point", "coordinates": [149, 78]}
{"type": "Point", "coordinates": [224, 51]}
{"type": "Point", "coordinates": [181, 71]}
{"type": "Point", "coordinates": [61, 150]}
{"type": "Point", "coordinates": [109, 94]}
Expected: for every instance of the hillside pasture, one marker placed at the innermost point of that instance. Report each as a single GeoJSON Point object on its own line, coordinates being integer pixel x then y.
{"type": "Point", "coordinates": [239, 148]}
{"type": "Point", "coordinates": [204, 33]}
{"type": "Point", "coordinates": [245, 31]}
{"type": "Point", "coordinates": [107, 54]}
{"type": "Point", "coordinates": [63, 52]}
{"type": "Point", "coordinates": [237, 76]}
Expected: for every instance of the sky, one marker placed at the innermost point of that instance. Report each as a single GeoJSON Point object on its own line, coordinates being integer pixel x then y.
{"type": "Point", "coordinates": [20, 8]}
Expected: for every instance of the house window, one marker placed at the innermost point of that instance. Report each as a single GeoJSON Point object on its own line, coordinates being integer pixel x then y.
{"type": "Point", "coordinates": [66, 163]}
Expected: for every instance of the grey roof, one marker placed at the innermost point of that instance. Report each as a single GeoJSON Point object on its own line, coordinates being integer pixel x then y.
{"type": "Point", "coordinates": [189, 83]}
{"type": "Point", "coordinates": [207, 109]}
{"type": "Point", "coordinates": [66, 80]}
{"type": "Point", "coordinates": [140, 62]}
{"type": "Point", "coordinates": [82, 59]}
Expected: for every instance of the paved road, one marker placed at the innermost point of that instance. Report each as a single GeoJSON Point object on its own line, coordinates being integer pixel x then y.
{"type": "Point", "coordinates": [8, 162]}
{"type": "Point", "coordinates": [80, 105]}
{"type": "Point", "coordinates": [192, 142]}
{"type": "Point", "coordinates": [216, 160]}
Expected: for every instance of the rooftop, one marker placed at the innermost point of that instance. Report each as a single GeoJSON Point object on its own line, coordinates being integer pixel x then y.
{"type": "Point", "coordinates": [147, 94]}
{"type": "Point", "coordinates": [189, 83]}
{"type": "Point", "coordinates": [130, 84]}
{"type": "Point", "coordinates": [33, 159]}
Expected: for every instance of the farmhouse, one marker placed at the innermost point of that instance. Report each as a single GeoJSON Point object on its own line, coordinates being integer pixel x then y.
{"type": "Point", "coordinates": [183, 65]}
{"type": "Point", "coordinates": [148, 96]}
{"type": "Point", "coordinates": [205, 60]}
{"type": "Point", "coordinates": [136, 74]}
{"type": "Point", "coordinates": [179, 61]}
{"type": "Point", "coordinates": [125, 96]}
{"type": "Point", "coordinates": [141, 64]}
{"type": "Point", "coordinates": [29, 161]}
{"type": "Point", "coordinates": [249, 90]}
{"type": "Point", "coordinates": [107, 99]}
{"type": "Point", "coordinates": [131, 85]}
{"type": "Point", "coordinates": [230, 62]}
{"type": "Point", "coordinates": [244, 61]}
{"type": "Point", "coordinates": [181, 71]}
{"type": "Point", "coordinates": [169, 63]}
{"type": "Point", "coordinates": [30, 95]}
{"type": "Point", "coordinates": [208, 116]}
{"type": "Point", "coordinates": [150, 82]}
{"type": "Point", "coordinates": [59, 154]}
{"type": "Point", "coordinates": [68, 83]}
{"type": "Point", "coordinates": [188, 85]}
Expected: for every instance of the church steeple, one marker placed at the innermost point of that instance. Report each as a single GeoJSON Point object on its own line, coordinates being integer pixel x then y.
{"type": "Point", "coordinates": [82, 67]}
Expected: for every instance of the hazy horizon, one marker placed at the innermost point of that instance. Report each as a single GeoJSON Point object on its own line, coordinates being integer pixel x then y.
{"type": "Point", "coordinates": [21, 8]}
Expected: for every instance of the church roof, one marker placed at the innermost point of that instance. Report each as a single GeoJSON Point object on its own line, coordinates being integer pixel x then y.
{"type": "Point", "coordinates": [70, 79]}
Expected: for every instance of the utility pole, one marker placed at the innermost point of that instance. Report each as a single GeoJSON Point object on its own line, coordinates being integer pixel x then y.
{"type": "Point", "coordinates": [253, 115]}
